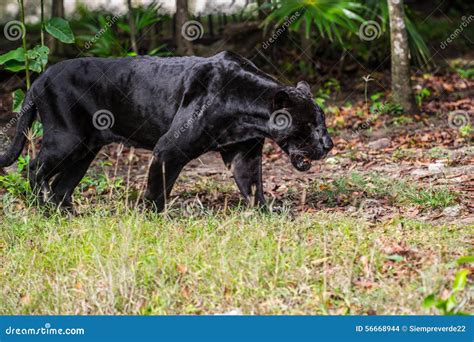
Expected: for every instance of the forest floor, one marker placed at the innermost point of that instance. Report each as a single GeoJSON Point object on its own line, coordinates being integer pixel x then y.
{"type": "Point", "coordinates": [372, 229]}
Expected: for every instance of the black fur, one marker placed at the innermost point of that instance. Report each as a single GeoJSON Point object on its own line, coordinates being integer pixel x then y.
{"type": "Point", "coordinates": [178, 107]}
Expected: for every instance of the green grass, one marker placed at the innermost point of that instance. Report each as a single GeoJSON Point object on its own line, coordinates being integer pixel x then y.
{"type": "Point", "coordinates": [355, 188]}
{"type": "Point", "coordinates": [110, 260]}
{"type": "Point", "coordinates": [429, 197]}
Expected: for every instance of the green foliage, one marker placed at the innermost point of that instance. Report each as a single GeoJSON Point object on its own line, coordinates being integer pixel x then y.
{"type": "Point", "coordinates": [38, 57]}
{"type": "Point", "coordinates": [101, 183]}
{"type": "Point", "coordinates": [14, 182]}
{"type": "Point", "coordinates": [306, 68]}
{"type": "Point", "coordinates": [329, 87]}
{"type": "Point", "coordinates": [465, 131]}
{"type": "Point", "coordinates": [34, 59]}
{"type": "Point", "coordinates": [418, 48]}
{"type": "Point", "coordinates": [18, 98]}
{"type": "Point", "coordinates": [448, 305]}
{"type": "Point", "coordinates": [17, 54]}
{"type": "Point", "coordinates": [15, 60]}
{"type": "Point", "coordinates": [378, 11]}
{"type": "Point", "coordinates": [467, 73]}
{"type": "Point", "coordinates": [341, 189]}
{"type": "Point", "coordinates": [374, 186]}
{"type": "Point", "coordinates": [107, 38]}
{"type": "Point", "coordinates": [340, 21]}
{"type": "Point", "coordinates": [143, 17]}
{"type": "Point", "coordinates": [59, 28]}
{"type": "Point", "coordinates": [428, 196]}
{"type": "Point", "coordinates": [331, 19]}
{"type": "Point", "coordinates": [99, 180]}
{"type": "Point", "coordinates": [381, 106]}
{"type": "Point", "coordinates": [37, 130]}
{"type": "Point", "coordinates": [421, 95]}
{"type": "Point", "coordinates": [161, 51]}
{"type": "Point", "coordinates": [465, 259]}
{"type": "Point", "coordinates": [103, 40]}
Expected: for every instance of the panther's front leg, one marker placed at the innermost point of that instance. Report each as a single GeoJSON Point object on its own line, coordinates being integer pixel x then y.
{"type": "Point", "coordinates": [244, 159]}
{"type": "Point", "coordinates": [168, 161]}
{"type": "Point", "coordinates": [161, 178]}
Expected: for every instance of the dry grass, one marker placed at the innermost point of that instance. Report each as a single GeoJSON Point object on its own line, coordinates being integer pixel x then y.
{"type": "Point", "coordinates": [111, 260]}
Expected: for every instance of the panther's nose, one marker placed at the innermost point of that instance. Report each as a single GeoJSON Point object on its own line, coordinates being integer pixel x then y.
{"type": "Point", "coordinates": [327, 143]}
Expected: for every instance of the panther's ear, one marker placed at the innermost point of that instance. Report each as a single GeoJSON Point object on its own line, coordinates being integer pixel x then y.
{"type": "Point", "coordinates": [305, 88]}
{"type": "Point", "coordinates": [282, 99]}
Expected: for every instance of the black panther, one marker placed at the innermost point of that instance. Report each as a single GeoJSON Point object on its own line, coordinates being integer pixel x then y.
{"type": "Point", "coordinates": [179, 107]}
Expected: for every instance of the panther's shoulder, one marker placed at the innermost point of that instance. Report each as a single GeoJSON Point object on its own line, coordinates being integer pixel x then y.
{"type": "Point", "coordinates": [235, 62]}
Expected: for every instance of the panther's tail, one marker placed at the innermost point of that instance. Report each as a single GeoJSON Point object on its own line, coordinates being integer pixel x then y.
{"type": "Point", "coordinates": [25, 120]}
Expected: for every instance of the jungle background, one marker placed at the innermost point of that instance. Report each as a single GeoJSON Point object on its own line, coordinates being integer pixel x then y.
{"type": "Point", "coordinates": [381, 226]}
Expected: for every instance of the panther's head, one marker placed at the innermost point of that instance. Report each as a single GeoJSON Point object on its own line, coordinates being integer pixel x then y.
{"type": "Point", "coordinates": [298, 126]}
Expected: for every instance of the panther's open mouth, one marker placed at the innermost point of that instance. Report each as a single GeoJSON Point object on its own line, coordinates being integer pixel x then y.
{"type": "Point", "coordinates": [300, 161]}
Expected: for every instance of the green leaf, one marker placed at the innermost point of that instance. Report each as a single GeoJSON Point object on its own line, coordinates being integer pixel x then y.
{"type": "Point", "coordinates": [395, 257]}
{"type": "Point", "coordinates": [18, 97]}
{"type": "Point", "coordinates": [13, 55]}
{"type": "Point", "coordinates": [60, 29]}
{"type": "Point", "coordinates": [460, 280]}
{"type": "Point", "coordinates": [14, 65]}
{"type": "Point", "coordinates": [465, 259]}
{"type": "Point", "coordinates": [441, 304]}
{"type": "Point", "coordinates": [38, 57]}
{"type": "Point", "coordinates": [450, 304]}
{"type": "Point", "coordinates": [22, 162]}
{"type": "Point", "coordinates": [124, 27]}
{"type": "Point", "coordinates": [37, 129]}
{"type": "Point", "coordinates": [429, 301]}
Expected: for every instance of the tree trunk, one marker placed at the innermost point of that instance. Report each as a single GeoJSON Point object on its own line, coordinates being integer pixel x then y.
{"type": "Point", "coordinates": [57, 10]}
{"type": "Point", "coordinates": [154, 34]}
{"type": "Point", "coordinates": [262, 12]}
{"type": "Point", "coordinates": [306, 47]}
{"type": "Point", "coordinates": [211, 26]}
{"type": "Point", "coordinates": [401, 86]}
{"type": "Point", "coordinates": [131, 24]}
{"type": "Point", "coordinates": [183, 45]}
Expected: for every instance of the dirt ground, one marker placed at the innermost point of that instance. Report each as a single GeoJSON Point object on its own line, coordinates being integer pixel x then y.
{"type": "Point", "coordinates": [425, 150]}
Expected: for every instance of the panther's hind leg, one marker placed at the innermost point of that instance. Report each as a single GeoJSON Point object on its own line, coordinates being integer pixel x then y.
{"type": "Point", "coordinates": [57, 149]}
{"type": "Point", "coordinates": [69, 177]}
